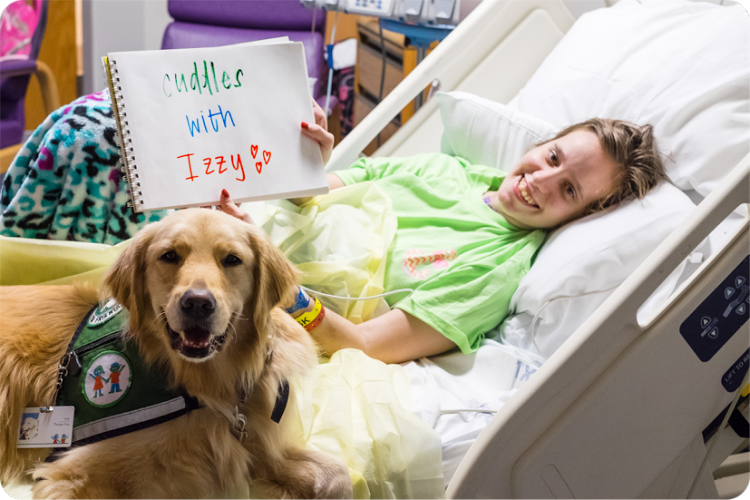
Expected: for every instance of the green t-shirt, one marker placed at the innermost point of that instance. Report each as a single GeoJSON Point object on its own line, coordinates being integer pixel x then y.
{"type": "Point", "coordinates": [463, 260]}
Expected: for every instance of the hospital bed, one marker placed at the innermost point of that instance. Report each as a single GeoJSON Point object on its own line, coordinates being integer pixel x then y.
{"type": "Point", "coordinates": [630, 405]}
{"type": "Point", "coordinates": [623, 405]}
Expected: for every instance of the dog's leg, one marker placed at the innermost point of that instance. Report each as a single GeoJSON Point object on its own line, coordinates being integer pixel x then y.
{"type": "Point", "coordinates": [36, 324]}
{"type": "Point", "coordinates": [68, 478]}
{"type": "Point", "coordinates": [302, 474]}
{"type": "Point", "coordinates": [193, 456]}
{"type": "Point", "coordinates": [46, 488]}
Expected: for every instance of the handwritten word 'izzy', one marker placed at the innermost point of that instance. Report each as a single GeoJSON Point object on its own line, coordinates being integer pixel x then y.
{"type": "Point", "coordinates": [198, 83]}
{"type": "Point", "coordinates": [216, 163]}
{"type": "Point", "coordinates": [213, 118]}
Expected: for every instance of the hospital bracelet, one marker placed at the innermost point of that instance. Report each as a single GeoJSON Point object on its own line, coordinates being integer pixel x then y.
{"type": "Point", "coordinates": [312, 319]}
{"type": "Point", "coordinates": [301, 302]}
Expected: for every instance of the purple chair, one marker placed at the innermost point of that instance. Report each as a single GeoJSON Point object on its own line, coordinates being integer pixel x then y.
{"type": "Point", "coordinates": [14, 81]}
{"type": "Point", "coordinates": [210, 23]}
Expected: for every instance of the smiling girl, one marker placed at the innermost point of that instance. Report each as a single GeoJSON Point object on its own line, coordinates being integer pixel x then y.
{"type": "Point", "coordinates": [467, 234]}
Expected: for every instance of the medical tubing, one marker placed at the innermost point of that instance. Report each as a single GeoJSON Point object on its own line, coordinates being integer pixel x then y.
{"type": "Point", "coordinates": [356, 298]}
{"type": "Point", "coordinates": [126, 142]}
{"type": "Point", "coordinates": [330, 65]}
{"type": "Point", "coordinates": [724, 421]}
{"type": "Point", "coordinates": [467, 410]}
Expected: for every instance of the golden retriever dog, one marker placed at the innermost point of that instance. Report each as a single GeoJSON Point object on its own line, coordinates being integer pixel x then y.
{"type": "Point", "coordinates": [202, 290]}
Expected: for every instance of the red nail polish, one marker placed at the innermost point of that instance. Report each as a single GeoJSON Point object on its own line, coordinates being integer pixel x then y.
{"type": "Point", "coordinates": [224, 193]}
{"type": "Point", "coordinates": [305, 125]}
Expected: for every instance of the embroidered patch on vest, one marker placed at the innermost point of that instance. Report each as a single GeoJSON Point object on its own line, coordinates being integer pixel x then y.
{"type": "Point", "coordinates": [107, 379]}
{"type": "Point", "coordinates": [104, 312]}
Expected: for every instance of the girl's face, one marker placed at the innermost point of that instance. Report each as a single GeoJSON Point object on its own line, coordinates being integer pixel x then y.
{"type": "Point", "coordinates": [553, 183]}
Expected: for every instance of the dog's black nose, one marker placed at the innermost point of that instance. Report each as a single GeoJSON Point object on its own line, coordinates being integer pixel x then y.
{"type": "Point", "coordinates": [198, 304]}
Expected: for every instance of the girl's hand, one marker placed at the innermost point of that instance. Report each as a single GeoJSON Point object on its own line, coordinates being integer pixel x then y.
{"type": "Point", "coordinates": [228, 206]}
{"type": "Point", "coordinates": [318, 131]}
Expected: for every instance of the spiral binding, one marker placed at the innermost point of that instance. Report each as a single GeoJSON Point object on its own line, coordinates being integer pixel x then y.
{"type": "Point", "coordinates": [126, 142]}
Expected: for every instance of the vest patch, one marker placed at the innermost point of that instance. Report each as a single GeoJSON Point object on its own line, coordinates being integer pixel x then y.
{"type": "Point", "coordinates": [107, 379]}
{"type": "Point", "coordinates": [104, 312]}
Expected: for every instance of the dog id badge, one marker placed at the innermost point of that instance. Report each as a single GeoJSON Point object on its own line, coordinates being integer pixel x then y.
{"type": "Point", "coordinates": [52, 429]}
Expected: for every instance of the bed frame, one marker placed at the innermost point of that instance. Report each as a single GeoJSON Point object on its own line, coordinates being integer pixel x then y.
{"type": "Point", "coordinates": [622, 409]}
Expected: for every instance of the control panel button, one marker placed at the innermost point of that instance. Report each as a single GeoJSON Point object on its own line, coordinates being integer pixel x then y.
{"type": "Point", "coordinates": [720, 315]}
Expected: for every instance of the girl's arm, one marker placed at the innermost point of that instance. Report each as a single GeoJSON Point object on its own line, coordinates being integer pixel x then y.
{"type": "Point", "coordinates": [394, 337]}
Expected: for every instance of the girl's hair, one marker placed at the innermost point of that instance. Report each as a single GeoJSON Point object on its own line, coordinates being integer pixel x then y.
{"type": "Point", "coordinates": [633, 149]}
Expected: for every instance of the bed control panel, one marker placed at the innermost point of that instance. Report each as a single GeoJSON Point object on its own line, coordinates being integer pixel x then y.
{"type": "Point", "coordinates": [720, 315]}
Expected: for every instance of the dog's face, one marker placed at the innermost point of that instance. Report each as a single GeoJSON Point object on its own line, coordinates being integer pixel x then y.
{"type": "Point", "coordinates": [198, 281]}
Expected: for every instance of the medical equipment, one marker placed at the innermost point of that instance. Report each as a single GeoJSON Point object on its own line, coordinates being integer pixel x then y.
{"type": "Point", "coordinates": [624, 408]}
{"type": "Point", "coordinates": [423, 12]}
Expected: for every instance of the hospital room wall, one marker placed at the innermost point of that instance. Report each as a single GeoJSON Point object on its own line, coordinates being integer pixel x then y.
{"type": "Point", "coordinates": [117, 25]}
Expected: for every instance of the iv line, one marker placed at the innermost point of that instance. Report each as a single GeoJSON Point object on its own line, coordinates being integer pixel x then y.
{"type": "Point", "coordinates": [356, 298]}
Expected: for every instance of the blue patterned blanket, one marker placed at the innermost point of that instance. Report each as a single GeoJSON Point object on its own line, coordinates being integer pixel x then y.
{"type": "Point", "coordinates": [66, 182]}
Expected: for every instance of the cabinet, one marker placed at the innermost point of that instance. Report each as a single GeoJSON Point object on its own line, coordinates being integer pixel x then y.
{"type": "Point", "coordinates": [400, 60]}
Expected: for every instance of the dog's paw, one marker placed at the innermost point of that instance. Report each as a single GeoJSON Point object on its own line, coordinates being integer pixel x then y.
{"type": "Point", "coordinates": [340, 488]}
{"type": "Point", "coordinates": [44, 488]}
{"type": "Point", "coordinates": [333, 482]}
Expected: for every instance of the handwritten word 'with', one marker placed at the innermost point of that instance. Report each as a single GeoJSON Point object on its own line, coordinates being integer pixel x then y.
{"type": "Point", "coordinates": [195, 125]}
{"type": "Point", "coordinates": [216, 164]}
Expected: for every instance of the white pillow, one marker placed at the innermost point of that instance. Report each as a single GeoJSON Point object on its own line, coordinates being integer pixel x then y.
{"type": "Point", "coordinates": [488, 133]}
{"type": "Point", "coordinates": [583, 262]}
{"type": "Point", "coordinates": [680, 65]}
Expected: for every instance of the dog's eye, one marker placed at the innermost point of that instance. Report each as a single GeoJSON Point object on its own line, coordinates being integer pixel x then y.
{"type": "Point", "coordinates": [170, 257]}
{"type": "Point", "coordinates": [231, 260]}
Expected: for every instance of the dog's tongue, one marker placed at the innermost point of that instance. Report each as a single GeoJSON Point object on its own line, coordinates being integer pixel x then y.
{"type": "Point", "coordinates": [197, 336]}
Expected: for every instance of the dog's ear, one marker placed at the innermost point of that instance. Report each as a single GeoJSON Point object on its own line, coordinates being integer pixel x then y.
{"type": "Point", "coordinates": [273, 278]}
{"type": "Point", "coordinates": [125, 279]}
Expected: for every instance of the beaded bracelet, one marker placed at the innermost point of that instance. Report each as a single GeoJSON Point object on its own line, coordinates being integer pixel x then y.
{"type": "Point", "coordinates": [317, 320]}
{"type": "Point", "coordinates": [311, 319]}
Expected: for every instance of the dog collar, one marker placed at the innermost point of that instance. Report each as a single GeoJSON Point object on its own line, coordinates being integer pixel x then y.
{"type": "Point", "coordinates": [282, 393]}
{"type": "Point", "coordinates": [282, 398]}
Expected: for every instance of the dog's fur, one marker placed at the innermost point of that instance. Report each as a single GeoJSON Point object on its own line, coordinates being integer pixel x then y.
{"type": "Point", "coordinates": [246, 342]}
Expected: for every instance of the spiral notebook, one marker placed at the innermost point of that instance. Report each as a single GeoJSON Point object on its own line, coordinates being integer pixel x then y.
{"type": "Point", "coordinates": [192, 122]}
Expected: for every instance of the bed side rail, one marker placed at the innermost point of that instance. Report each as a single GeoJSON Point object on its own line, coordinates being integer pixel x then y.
{"type": "Point", "coordinates": [545, 442]}
{"type": "Point", "coordinates": [454, 58]}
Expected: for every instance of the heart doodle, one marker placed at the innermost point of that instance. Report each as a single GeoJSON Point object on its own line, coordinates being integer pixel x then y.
{"type": "Point", "coordinates": [259, 166]}
{"type": "Point", "coordinates": [253, 150]}
{"type": "Point", "coordinates": [266, 156]}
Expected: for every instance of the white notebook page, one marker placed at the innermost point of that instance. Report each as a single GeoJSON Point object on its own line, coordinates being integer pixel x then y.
{"type": "Point", "coordinates": [203, 120]}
